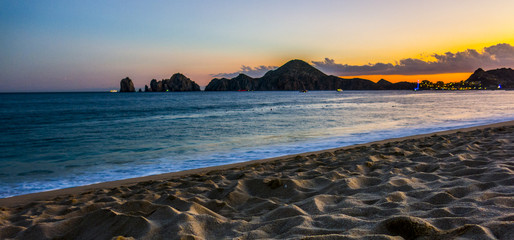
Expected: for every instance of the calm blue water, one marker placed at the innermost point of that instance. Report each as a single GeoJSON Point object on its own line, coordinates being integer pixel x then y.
{"type": "Point", "coordinates": [58, 140]}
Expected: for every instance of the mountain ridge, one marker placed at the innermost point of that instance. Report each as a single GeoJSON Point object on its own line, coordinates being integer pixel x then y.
{"type": "Point", "coordinates": [299, 75]}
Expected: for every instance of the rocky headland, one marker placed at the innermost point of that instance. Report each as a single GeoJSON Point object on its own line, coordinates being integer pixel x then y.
{"type": "Point", "coordinates": [503, 77]}
{"type": "Point", "coordinates": [299, 75]}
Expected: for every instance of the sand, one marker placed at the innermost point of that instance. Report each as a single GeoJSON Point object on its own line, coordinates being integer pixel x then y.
{"type": "Point", "coordinates": [449, 185]}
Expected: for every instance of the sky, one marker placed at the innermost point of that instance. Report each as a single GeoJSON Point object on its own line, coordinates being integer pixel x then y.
{"type": "Point", "coordinates": [92, 45]}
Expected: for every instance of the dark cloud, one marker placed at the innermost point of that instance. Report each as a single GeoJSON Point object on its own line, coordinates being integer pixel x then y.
{"type": "Point", "coordinates": [496, 56]}
{"type": "Point", "coordinates": [252, 72]}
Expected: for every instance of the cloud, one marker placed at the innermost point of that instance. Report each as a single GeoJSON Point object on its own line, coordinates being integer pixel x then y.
{"type": "Point", "coordinates": [252, 72]}
{"type": "Point", "coordinates": [496, 56]}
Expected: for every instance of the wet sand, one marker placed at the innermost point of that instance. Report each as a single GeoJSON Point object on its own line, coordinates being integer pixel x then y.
{"type": "Point", "coordinates": [453, 184]}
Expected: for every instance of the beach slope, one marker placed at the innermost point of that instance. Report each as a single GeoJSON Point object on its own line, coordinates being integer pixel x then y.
{"type": "Point", "coordinates": [453, 184]}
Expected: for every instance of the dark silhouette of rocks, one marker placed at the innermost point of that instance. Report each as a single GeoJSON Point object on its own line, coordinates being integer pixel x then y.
{"type": "Point", "coordinates": [155, 86]}
{"type": "Point", "coordinates": [241, 82]}
{"type": "Point", "coordinates": [492, 78]}
{"type": "Point", "coordinates": [403, 86]}
{"type": "Point", "coordinates": [351, 84]}
{"type": "Point", "coordinates": [298, 75]}
{"type": "Point", "coordinates": [177, 83]}
{"type": "Point", "coordinates": [126, 85]}
{"type": "Point", "coordinates": [294, 75]}
{"type": "Point", "coordinates": [386, 85]}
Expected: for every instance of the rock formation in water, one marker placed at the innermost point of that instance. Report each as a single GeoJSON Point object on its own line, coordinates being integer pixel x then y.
{"type": "Point", "coordinates": [493, 78]}
{"type": "Point", "coordinates": [294, 75]}
{"type": "Point", "coordinates": [177, 83]}
{"type": "Point", "coordinates": [126, 85]}
{"type": "Point", "coordinates": [155, 86]}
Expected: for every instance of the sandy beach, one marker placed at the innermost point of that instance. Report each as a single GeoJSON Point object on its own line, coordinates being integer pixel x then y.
{"type": "Point", "coordinates": [449, 185]}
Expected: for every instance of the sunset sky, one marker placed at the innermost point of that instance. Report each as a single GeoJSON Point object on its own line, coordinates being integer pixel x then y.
{"type": "Point", "coordinates": [92, 45]}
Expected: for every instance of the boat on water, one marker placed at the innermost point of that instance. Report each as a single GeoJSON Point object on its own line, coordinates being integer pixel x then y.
{"type": "Point", "coordinates": [339, 90]}
{"type": "Point", "coordinates": [303, 91]}
{"type": "Point", "coordinates": [113, 90]}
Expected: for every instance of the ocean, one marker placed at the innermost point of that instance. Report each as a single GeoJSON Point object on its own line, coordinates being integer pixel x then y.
{"type": "Point", "coordinates": [59, 140]}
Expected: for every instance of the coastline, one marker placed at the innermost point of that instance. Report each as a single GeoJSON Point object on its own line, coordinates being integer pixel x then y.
{"type": "Point", "coordinates": [27, 198]}
{"type": "Point", "coordinates": [442, 185]}
{"type": "Point", "coordinates": [329, 120]}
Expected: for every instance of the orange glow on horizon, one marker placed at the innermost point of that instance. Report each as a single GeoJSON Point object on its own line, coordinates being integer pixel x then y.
{"type": "Point", "coordinates": [445, 77]}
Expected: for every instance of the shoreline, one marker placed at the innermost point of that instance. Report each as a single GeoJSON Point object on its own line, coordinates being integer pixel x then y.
{"type": "Point", "coordinates": [444, 185]}
{"type": "Point", "coordinates": [46, 195]}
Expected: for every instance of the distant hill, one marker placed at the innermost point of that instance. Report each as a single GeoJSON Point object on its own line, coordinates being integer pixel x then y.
{"type": "Point", "coordinates": [386, 85]}
{"type": "Point", "coordinates": [492, 78]}
{"type": "Point", "coordinates": [241, 82]}
{"type": "Point", "coordinates": [299, 75]}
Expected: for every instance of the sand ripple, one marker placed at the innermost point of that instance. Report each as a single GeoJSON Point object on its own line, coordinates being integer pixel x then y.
{"type": "Point", "coordinates": [456, 186]}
